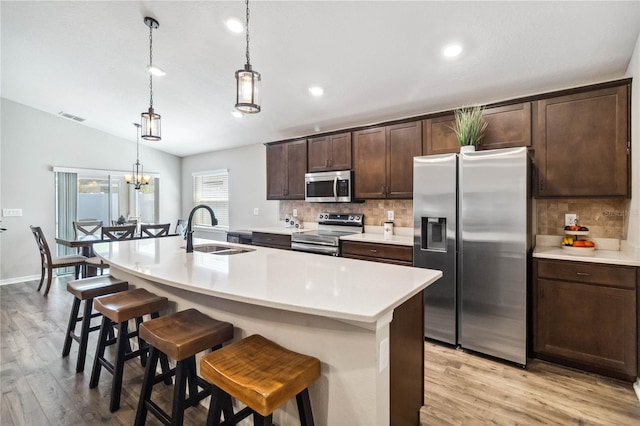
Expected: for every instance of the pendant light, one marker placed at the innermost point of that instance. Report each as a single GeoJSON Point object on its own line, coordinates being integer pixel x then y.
{"type": "Point", "coordinates": [151, 120]}
{"type": "Point", "coordinates": [248, 83]}
{"type": "Point", "coordinates": [137, 177]}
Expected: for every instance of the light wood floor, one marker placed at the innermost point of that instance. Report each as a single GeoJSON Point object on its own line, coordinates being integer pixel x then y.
{"type": "Point", "coordinates": [40, 388]}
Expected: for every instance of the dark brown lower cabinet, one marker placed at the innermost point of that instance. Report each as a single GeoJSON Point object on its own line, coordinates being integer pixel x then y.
{"type": "Point", "coordinates": [585, 316]}
{"type": "Point", "coordinates": [377, 252]}
{"type": "Point", "coordinates": [265, 239]}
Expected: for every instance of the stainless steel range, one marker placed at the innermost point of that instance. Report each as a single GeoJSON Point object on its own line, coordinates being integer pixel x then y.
{"type": "Point", "coordinates": [326, 239]}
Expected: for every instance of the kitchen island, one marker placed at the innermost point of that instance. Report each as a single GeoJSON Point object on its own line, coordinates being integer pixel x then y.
{"type": "Point", "coordinates": [363, 320]}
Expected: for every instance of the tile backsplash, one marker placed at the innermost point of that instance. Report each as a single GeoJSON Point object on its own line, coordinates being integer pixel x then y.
{"type": "Point", "coordinates": [375, 211]}
{"type": "Point", "coordinates": [605, 218]}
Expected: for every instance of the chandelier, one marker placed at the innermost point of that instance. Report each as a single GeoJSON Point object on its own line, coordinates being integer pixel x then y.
{"type": "Point", "coordinates": [248, 82]}
{"type": "Point", "coordinates": [137, 177]}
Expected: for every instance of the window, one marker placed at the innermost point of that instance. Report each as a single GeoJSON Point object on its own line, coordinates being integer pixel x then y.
{"type": "Point", "coordinates": [212, 189]}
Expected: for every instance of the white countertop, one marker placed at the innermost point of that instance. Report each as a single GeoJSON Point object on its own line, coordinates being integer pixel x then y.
{"type": "Point", "coordinates": [280, 230]}
{"type": "Point", "coordinates": [612, 257]}
{"type": "Point", "coordinates": [328, 286]}
{"type": "Point", "coordinates": [370, 237]}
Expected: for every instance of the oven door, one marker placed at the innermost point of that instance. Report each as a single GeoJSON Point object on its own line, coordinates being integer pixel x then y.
{"type": "Point", "coordinates": [316, 248]}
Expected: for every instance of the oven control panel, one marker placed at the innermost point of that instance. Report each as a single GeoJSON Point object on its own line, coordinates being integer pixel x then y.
{"type": "Point", "coordinates": [348, 219]}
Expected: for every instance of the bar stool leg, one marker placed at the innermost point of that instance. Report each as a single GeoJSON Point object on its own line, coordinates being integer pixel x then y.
{"type": "Point", "coordinates": [73, 318]}
{"type": "Point", "coordinates": [179, 391]}
{"type": "Point", "coordinates": [259, 420]}
{"type": "Point", "coordinates": [304, 408]}
{"type": "Point", "coordinates": [102, 343]}
{"type": "Point", "coordinates": [84, 335]}
{"type": "Point", "coordinates": [147, 387]}
{"type": "Point", "coordinates": [118, 368]}
{"type": "Point", "coordinates": [141, 343]}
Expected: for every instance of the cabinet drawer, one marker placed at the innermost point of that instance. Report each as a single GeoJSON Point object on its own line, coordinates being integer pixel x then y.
{"type": "Point", "coordinates": [271, 240]}
{"type": "Point", "coordinates": [610, 275]}
{"type": "Point", "coordinates": [376, 250]}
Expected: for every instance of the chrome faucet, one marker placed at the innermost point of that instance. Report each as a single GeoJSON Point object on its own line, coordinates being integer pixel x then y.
{"type": "Point", "coordinates": [188, 235]}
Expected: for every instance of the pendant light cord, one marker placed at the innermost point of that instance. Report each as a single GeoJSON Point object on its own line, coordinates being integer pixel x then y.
{"type": "Point", "coordinates": [248, 62]}
{"type": "Point", "coordinates": [137, 143]}
{"type": "Point", "coordinates": [151, 64]}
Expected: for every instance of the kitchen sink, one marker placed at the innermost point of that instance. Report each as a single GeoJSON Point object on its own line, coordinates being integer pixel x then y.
{"type": "Point", "coordinates": [221, 250]}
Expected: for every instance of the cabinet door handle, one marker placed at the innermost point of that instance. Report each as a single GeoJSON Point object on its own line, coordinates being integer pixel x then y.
{"type": "Point", "coordinates": [373, 251]}
{"type": "Point", "coordinates": [583, 274]}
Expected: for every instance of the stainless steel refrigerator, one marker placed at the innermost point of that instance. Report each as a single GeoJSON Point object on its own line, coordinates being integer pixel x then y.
{"type": "Point", "coordinates": [472, 221]}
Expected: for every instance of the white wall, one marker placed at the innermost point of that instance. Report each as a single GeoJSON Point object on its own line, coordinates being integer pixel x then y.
{"type": "Point", "coordinates": [633, 234]}
{"type": "Point", "coordinates": [31, 143]}
{"type": "Point", "coordinates": [247, 185]}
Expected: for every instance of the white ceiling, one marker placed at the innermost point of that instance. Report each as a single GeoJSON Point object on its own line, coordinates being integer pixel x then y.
{"type": "Point", "coordinates": [376, 60]}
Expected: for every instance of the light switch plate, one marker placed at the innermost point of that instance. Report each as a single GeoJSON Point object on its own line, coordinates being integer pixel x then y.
{"type": "Point", "coordinates": [11, 212]}
{"type": "Point", "coordinates": [295, 212]}
{"type": "Point", "coordinates": [570, 219]}
{"type": "Point", "coordinates": [389, 214]}
{"type": "Point", "coordinates": [255, 211]}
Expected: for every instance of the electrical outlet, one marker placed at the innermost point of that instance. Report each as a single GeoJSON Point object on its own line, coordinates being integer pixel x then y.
{"type": "Point", "coordinates": [389, 214]}
{"type": "Point", "coordinates": [255, 211]}
{"type": "Point", "coordinates": [295, 212]}
{"type": "Point", "coordinates": [570, 219]}
{"type": "Point", "coordinates": [11, 212]}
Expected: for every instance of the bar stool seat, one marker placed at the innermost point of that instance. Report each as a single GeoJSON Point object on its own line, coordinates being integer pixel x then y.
{"type": "Point", "coordinates": [120, 308]}
{"type": "Point", "coordinates": [260, 374]}
{"type": "Point", "coordinates": [86, 290]}
{"type": "Point", "coordinates": [180, 336]}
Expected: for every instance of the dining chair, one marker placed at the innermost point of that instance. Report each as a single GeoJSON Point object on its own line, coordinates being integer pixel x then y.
{"type": "Point", "coordinates": [85, 228]}
{"type": "Point", "coordinates": [181, 227]}
{"type": "Point", "coordinates": [48, 262]}
{"type": "Point", "coordinates": [154, 230]}
{"type": "Point", "coordinates": [124, 232]}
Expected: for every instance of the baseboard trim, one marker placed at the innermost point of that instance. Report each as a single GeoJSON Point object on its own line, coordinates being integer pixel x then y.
{"type": "Point", "coordinates": [17, 280]}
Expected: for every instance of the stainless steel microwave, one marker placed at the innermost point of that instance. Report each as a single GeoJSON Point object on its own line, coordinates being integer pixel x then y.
{"type": "Point", "coordinates": [328, 187]}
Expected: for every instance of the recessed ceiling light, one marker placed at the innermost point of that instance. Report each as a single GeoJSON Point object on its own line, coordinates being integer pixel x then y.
{"type": "Point", "coordinates": [234, 25]}
{"type": "Point", "coordinates": [316, 90]}
{"type": "Point", "coordinates": [236, 113]}
{"type": "Point", "coordinates": [156, 70]}
{"type": "Point", "coordinates": [452, 50]}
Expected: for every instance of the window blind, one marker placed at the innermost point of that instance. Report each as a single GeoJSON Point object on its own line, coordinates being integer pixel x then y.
{"type": "Point", "coordinates": [212, 189]}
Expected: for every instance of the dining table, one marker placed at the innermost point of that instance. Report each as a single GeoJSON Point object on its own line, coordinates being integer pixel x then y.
{"type": "Point", "coordinates": [86, 242]}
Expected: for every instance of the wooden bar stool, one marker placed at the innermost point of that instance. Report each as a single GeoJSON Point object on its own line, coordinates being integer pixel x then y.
{"type": "Point", "coordinates": [86, 290]}
{"type": "Point", "coordinates": [260, 374]}
{"type": "Point", "coordinates": [180, 336]}
{"type": "Point", "coordinates": [120, 308]}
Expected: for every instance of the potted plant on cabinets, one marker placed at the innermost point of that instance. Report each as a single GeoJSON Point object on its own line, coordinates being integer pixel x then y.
{"type": "Point", "coordinates": [469, 127]}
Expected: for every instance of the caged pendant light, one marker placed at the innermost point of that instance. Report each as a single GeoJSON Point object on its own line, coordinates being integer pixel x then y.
{"type": "Point", "coordinates": [137, 177]}
{"type": "Point", "coordinates": [151, 120]}
{"type": "Point", "coordinates": [248, 82]}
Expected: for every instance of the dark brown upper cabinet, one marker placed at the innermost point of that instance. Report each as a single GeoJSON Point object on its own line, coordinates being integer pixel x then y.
{"type": "Point", "coordinates": [507, 126]}
{"type": "Point", "coordinates": [332, 152]}
{"type": "Point", "coordinates": [286, 166]}
{"type": "Point", "coordinates": [582, 144]}
{"type": "Point", "coordinates": [383, 160]}
{"type": "Point", "coordinates": [439, 137]}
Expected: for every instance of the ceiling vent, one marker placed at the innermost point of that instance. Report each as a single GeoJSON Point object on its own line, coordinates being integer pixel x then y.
{"type": "Point", "coordinates": [71, 116]}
